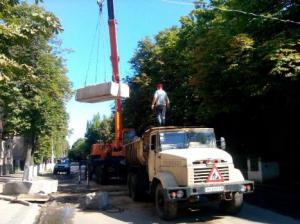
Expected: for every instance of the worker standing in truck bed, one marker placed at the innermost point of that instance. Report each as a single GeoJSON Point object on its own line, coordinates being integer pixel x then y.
{"type": "Point", "coordinates": [160, 102]}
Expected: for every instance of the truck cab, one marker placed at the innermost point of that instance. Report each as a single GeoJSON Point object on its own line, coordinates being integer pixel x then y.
{"type": "Point", "coordinates": [182, 166]}
{"type": "Point", "coordinates": [107, 161]}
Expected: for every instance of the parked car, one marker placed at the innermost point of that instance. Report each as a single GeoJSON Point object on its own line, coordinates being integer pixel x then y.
{"type": "Point", "coordinates": [62, 166]}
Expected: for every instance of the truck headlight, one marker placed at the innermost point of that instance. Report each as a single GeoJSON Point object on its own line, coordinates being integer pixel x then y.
{"type": "Point", "coordinates": [180, 194]}
{"type": "Point", "coordinates": [177, 194]}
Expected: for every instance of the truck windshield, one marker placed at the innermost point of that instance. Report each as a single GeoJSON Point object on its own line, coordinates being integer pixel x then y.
{"type": "Point", "coordinates": [186, 139]}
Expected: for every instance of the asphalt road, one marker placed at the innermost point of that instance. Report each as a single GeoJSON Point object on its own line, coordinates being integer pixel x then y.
{"type": "Point", "coordinates": [66, 209]}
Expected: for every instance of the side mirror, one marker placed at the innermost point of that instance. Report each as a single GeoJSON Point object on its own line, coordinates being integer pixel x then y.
{"type": "Point", "coordinates": [223, 143]}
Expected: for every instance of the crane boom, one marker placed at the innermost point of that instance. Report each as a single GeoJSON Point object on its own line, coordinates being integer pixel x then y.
{"type": "Point", "coordinates": [115, 68]}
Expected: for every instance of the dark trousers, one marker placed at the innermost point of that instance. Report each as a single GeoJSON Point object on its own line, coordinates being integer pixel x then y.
{"type": "Point", "coordinates": [161, 114]}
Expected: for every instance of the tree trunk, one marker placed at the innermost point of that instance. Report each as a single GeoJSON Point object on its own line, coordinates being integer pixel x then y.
{"type": "Point", "coordinates": [8, 156]}
{"type": "Point", "coordinates": [1, 157]}
{"type": "Point", "coordinates": [1, 145]}
{"type": "Point", "coordinates": [29, 163]}
{"type": "Point", "coordinates": [4, 168]}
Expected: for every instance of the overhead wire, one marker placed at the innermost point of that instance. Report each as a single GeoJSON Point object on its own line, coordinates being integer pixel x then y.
{"type": "Point", "coordinates": [178, 2]}
{"type": "Point", "coordinates": [194, 3]}
{"type": "Point", "coordinates": [258, 15]}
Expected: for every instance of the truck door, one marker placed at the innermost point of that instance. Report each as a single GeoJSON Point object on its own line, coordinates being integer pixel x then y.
{"type": "Point", "coordinates": [152, 159]}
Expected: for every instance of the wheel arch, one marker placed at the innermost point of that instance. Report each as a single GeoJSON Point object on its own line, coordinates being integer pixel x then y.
{"type": "Point", "coordinates": [166, 179]}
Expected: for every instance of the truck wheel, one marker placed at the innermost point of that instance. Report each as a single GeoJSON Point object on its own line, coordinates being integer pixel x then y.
{"type": "Point", "coordinates": [165, 209]}
{"type": "Point", "coordinates": [100, 175]}
{"type": "Point", "coordinates": [134, 188]}
{"type": "Point", "coordinates": [233, 206]}
{"type": "Point", "coordinates": [129, 184]}
{"type": "Point", "coordinates": [91, 172]}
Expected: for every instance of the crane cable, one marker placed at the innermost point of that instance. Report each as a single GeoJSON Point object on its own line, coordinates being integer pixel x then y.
{"type": "Point", "coordinates": [91, 52]}
{"type": "Point", "coordinates": [199, 4]}
{"type": "Point", "coordinates": [98, 42]}
{"type": "Point", "coordinates": [97, 31]}
{"type": "Point", "coordinates": [106, 49]}
{"type": "Point", "coordinates": [105, 40]}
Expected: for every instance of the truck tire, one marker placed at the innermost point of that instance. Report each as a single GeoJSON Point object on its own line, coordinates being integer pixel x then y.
{"type": "Point", "coordinates": [233, 206]}
{"type": "Point", "coordinates": [91, 172]}
{"type": "Point", "coordinates": [129, 184]}
{"type": "Point", "coordinates": [100, 175]}
{"type": "Point", "coordinates": [135, 193]}
{"type": "Point", "coordinates": [165, 209]}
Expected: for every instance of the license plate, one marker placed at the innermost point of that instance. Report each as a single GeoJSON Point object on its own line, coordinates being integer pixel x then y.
{"type": "Point", "coordinates": [214, 189]}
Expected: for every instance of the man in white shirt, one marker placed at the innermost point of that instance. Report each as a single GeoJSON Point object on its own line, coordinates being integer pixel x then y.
{"type": "Point", "coordinates": [160, 102]}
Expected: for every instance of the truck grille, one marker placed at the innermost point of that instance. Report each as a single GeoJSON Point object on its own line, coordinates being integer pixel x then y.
{"type": "Point", "coordinates": [201, 174]}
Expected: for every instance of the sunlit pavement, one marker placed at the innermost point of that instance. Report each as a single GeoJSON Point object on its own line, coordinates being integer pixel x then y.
{"type": "Point", "coordinates": [249, 214]}
{"type": "Point", "coordinates": [14, 213]}
{"type": "Point", "coordinates": [123, 210]}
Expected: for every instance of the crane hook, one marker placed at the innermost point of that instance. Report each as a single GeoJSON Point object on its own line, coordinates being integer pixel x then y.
{"type": "Point", "coordinates": [100, 4]}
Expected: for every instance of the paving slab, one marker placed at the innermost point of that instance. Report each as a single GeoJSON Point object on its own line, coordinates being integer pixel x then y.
{"type": "Point", "coordinates": [30, 187]}
{"type": "Point", "coordinates": [33, 197]}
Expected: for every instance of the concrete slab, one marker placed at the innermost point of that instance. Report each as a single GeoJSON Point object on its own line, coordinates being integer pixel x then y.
{"type": "Point", "coordinates": [102, 92]}
{"type": "Point", "coordinates": [95, 201]}
{"type": "Point", "coordinates": [30, 187]}
{"type": "Point", "coordinates": [33, 197]}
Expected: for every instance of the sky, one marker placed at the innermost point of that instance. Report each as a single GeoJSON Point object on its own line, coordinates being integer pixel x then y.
{"type": "Point", "coordinates": [86, 35]}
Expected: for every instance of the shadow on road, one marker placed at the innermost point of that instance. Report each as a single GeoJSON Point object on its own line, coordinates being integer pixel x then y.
{"type": "Point", "coordinates": [283, 201]}
{"type": "Point", "coordinates": [122, 209]}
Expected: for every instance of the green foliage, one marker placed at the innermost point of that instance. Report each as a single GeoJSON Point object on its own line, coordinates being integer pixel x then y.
{"type": "Point", "coordinates": [79, 150]}
{"type": "Point", "coordinates": [97, 130]}
{"type": "Point", "coordinates": [236, 72]}
{"type": "Point", "coordinates": [33, 84]}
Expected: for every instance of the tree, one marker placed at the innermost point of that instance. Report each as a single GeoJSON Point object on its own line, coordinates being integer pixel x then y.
{"type": "Point", "coordinates": [33, 84]}
{"type": "Point", "coordinates": [79, 150]}
{"type": "Point", "coordinates": [233, 65]}
{"type": "Point", "coordinates": [97, 130]}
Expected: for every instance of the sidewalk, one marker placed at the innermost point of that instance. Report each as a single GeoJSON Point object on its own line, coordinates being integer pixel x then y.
{"type": "Point", "coordinates": [16, 213]}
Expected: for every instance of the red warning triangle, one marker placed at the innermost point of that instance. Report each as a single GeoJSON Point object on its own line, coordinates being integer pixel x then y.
{"type": "Point", "coordinates": [215, 175]}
